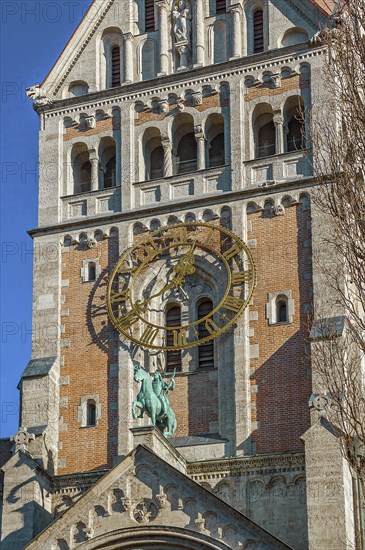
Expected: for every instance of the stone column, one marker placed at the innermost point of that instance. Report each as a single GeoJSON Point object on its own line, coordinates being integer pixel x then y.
{"type": "Point", "coordinates": [199, 136]}
{"type": "Point", "coordinates": [236, 11]}
{"type": "Point", "coordinates": [279, 132]}
{"type": "Point", "coordinates": [93, 157]}
{"type": "Point", "coordinates": [164, 33]}
{"type": "Point", "coordinates": [200, 49]}
{"type": "Point", "coordinates": [167, 158]}
{"type": "Point", "coordinates": [128, 57]}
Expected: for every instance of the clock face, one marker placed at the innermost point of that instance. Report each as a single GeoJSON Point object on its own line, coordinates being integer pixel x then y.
{"type": "Point", "coordinates": [178, 266]}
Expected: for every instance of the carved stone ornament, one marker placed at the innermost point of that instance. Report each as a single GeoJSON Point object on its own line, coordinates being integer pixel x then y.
{"type": "Point", "coordinates": [38, 96]}
{"type": "Point", "coordinates": [181, 21]}
{"type": "Point", "coordinates": [90, 122]}
{"type": "Point", "coordinates": [276, 80]}
{"type": "Point", "coordinates": [197, 98]}
{"type": "Point", "coordinates": [145, 511]}
{"type": "Point", "coordinates": [89, 243]}
{"type": "Point", "coordinates": [279, 210]}
{"type": "Point", "coordinates": [22, 439]}
{"type": "Point", "coordinates": [163, 106]}
{"type": "Point", "coordinates": [320, 403]}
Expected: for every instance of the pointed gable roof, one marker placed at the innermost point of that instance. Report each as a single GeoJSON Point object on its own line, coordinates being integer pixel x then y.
{"type": "Point", "coordinates": [144, 498]}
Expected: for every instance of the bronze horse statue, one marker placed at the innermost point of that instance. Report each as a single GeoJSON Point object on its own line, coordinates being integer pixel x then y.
{"type": "Point", "coordinates": [152, 399]}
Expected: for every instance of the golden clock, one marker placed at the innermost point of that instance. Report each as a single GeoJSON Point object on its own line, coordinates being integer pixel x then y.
{"type": "Point", "coordinates": [178, 265]}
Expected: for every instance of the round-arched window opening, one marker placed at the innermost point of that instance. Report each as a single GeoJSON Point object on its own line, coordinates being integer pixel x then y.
{"type": "Point", "coordinates": [91, 413]}
{"type": "Point", "coordinates": [282, 311]}
{"type": "Point", "coordinates": [91, 271]}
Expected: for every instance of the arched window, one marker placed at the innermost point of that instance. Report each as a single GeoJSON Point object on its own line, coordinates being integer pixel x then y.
{"type": "Point", "coordinates": [91, 271]}
{"type": "Point", "coordinates": [108, 163]}
{"type": "Point", "coordinates": [78, 88]}
{"type": "Point", "coordinates": [220, 6]}
{"type": "Point", "coordinates": [156, 162]}
{"type": "Point", "coordinates": [91, 413]}
{"type": "Point", "coordinates": [214, 131]}
{"type": "Point", "coordinates": [206, 350]}
{"type": "Point", "coordinates": [187, 154]}
{"type": "Point", "coordinates": [264, 129]}
{"type": "Point", "coordinates": [258, 31]}
{"type": "Point", "coordinates": [110, 173]}
{"type": "Point", "coordinates": [115, 66]}
{"type": "Point", "coordinates": [81, 168]}
{"type": "Point", "coordinates": [295, 135]}
{"type": "Point", "coordinates": [281, 310]}
{"type": "Point", "coordinates": [153, 155]}
{"type": "Point", "coordinates": [149, 15]}
{"type": "Point", "coordinates": [173, 357]}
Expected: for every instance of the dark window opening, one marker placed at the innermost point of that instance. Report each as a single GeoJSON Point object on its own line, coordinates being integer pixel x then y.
{"type": "Point", "coordinates": [173, 357]}
{"type": "Point", "coordinates": [115, 66]}
{"type": "Point", "coordinates": [149, 16]}
{"type": "Point", "coordinates": [187, 154]}
{"type": "Point", "coordinates": [295, 137]}
{"type": "Point", "coordinates": [206, 350]}
{"type": "Point", "coordinates": [110, 173]}
{"type": "Point", "coordinates": [258, 31]}
{"type": "Point", "coordinates": [156, 163]}
{"type": "Point", "coordinates": [266, 140]}
{"type": "Point", "coordinates": [91, 414]}
{"type": "Point", "coordinates": [282, 312]}
{"type": "Point", "coordinates": [216, 151]}
{"type": "Point", "coordinates": [220, 6]}
{"type": "Point", "coordinates": [91, 271]}
{"type": "Point", "coordinates": [85, 184]}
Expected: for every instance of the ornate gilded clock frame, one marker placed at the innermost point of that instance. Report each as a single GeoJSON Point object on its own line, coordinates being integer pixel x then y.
{"type": "Point", "coordinates": [129, 315]}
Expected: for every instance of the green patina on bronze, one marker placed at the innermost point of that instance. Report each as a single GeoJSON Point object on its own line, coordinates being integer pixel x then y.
{"type": "Point", "coordinates": [152, 399]}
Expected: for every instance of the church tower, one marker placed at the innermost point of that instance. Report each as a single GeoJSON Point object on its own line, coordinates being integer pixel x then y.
{"type": "Point", "coordinates": [173, 285]}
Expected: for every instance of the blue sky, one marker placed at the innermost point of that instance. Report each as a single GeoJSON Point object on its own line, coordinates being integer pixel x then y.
{"type": "Point", "coordinates": [33, 33]}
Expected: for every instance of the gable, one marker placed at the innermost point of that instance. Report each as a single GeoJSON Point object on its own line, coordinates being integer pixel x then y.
{"type": "Point", "coordinates": [83, 61]}
{"type": "Point", "coordinates": [143, 499]}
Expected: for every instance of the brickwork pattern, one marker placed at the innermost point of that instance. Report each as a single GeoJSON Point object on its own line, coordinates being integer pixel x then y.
{"type": "Point", "coordinates": [90, 347]}
{"type": "Point", "coordinates": [295, 82]}
{"type": "Point", "coordinates": [282, 258]}
{"type": "Point", "coordinates": [105, 125]}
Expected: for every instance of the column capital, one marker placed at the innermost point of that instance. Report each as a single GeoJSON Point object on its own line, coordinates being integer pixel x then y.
{"type": "Point", "coordinates": [198, 131]}
{"type": "Point", "coordinates": [162, 4]}
{"type": "Point", "coordinates": [235, 8]}
{"type": "Point", "coordinates": [127, 36]}
{"type": "Point", "coordinates": [278, 118]}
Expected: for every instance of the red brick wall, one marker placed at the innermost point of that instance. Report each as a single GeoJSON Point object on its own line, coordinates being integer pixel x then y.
{"type": "Point", "coordinates": [281, 373]}
{"type": "Point", "coordinates": [87, 360]}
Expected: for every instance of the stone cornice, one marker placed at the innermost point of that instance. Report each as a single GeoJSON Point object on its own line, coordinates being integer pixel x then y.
{"type": "Point", "coordinates": [193, 77]}
{"type": "Point", "coordinates": [171, 207]}
{"type": "Point", "coordinates": [237, 466]}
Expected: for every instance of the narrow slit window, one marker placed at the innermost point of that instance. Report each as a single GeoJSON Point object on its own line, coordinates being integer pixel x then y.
{"type": "Point", "coordinates": [115, 66]}
{"type": "Point", "coordinates": [258, 31]}
{"type": "Point", "coordinates": [149, 15]}
{"type": "Point", "coordinates": [220, 6]}
{"type": "Point", "coordinates": [282, 311]}
{"type": "Point", "coordinates": [91, 272]}
{"type": "Point", "coordinates": [91, 414]}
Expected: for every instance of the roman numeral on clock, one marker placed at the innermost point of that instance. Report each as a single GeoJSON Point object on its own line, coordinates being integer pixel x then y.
{"type": "Point", "coordinates": [179, 337]}
{"type": "Point", "coordinates": [118, 297]}
{"type": "Point", "coordinates": [211, 326]}
{"type": "Point", "coordinates": [149, 335]}
{"type": "Point", "coordinates": [180, 235]}
{"type": "Point", "coordinates": [233, 304]}
{"type": "Point", "coordinates": [231, 252]}
{"type": "Point", "coordinates": [241, 277]}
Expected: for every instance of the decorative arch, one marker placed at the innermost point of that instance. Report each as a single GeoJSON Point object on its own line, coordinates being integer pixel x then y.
{"type": "Point", "coordinates": [215, 140]}
{"type": "Point", "coordinates": [111, 57]}
{"type": "Point", "coordinates": [184, 144]}
{"type": "Point", "coordinates": [152, 154]}
{"type": "Point", "coordinates": [78, 88]}
{"type": "Point", "coordinates": [264, 130]}
{"type": "Point", "coordinates": [151, 537]}
{"type": "Point", "coordinates": [108, 163]}
{"type": "Point", "coordinates": [80, 168]}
